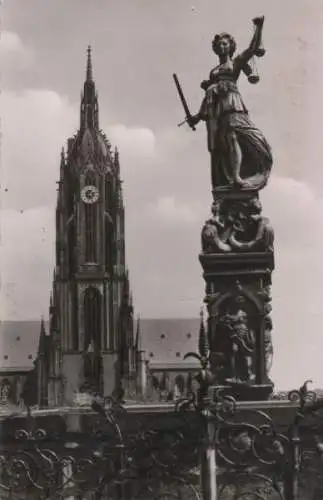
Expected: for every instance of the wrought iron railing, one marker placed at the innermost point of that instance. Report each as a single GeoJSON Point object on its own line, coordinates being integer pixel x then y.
{"type": "Point", "coordinates": [202, 447]}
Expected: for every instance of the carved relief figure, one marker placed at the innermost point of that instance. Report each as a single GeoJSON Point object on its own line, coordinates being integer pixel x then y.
{"type": "Point", "coordinates": [237, 226]}
{"type": "Point", "coordinates": [216, 232]}
{"type": "Point", "coordinates": [240, 154]}
{"type": "Point", "coordinates": [234, 336]}
{"type": "Point", "coordinates": [243, 344]}
{"type": "Point", "coordinates": [254, 229]}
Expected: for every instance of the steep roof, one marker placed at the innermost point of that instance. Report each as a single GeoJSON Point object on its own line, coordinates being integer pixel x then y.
{"type": "Point", "coordinates": [164, 340]}
{"type": "Point", "coordinates": [18, 344]}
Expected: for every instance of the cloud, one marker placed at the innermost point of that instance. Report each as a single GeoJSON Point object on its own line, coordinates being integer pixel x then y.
{"type": "Point", "coordinates": [168, 210]}
{"type": "Point", "coordinates": [35, 125]}
{"type": "Point", "coordinates": [14, 54]}
{"type": "Point", "coordinates": [27, 243]}
{"type": "Point", "coordinates": [11, 42]}
{"type": "Point", "coordinates": [296, 212]}
{"type": "Point", "coordinates": [134, 143]}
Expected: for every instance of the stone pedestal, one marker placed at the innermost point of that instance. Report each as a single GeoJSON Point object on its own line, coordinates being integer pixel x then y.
{"type": "Point", "coordinates": [237, 260]}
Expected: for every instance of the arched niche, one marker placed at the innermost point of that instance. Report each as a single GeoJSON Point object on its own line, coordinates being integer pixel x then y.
{"type": "Point", "coordinates": [235, 333]}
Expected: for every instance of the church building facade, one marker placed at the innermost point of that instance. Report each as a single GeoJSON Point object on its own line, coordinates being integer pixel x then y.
{"type": "Point", "coordinates": [91, 344]}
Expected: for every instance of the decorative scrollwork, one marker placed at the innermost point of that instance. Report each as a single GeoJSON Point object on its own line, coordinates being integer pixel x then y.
{"type": "Point", "coordinates": [302, 395]}
{"type": "Point", "coordinates": [157, 455]}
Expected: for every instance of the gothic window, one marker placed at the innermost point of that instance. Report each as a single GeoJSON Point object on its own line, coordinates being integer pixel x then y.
{"type": "Point", "coordinates": [108, 193]}
{"type": "Point", "coordinates": [68, 192]}
{"type": "Point", "coordinates": [92, 319]}
{"type": "Point", "coordinates": [5, 389]}
{"type": "Point", "coordinates": [155, 382]}
{"type": "Point", "coordinates": [179, 384]}
{"type": "Point", "coordinates": [189, 382]}
{"type": "Point", "coordinates": [90, 223]}
{"type": "Point", "coordinates": [164, 383]}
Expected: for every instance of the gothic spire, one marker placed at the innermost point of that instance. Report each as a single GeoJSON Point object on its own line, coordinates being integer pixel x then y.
{"type": "Point", "coordinates": [89, 102]}
{"type": "Point", "coordinates": [203, 343]}
{"type": "Point", "coordinates": [89, 72]}
{"type": "Point", "coordinates": [42, 339]}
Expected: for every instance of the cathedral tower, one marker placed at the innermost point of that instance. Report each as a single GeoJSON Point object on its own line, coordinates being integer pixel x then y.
{"type": "Point", "coordinates": [91, 337]}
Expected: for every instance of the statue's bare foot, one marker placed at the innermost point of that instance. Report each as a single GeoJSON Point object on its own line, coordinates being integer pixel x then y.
{"type": "Point", "coordinates": [241, 182]}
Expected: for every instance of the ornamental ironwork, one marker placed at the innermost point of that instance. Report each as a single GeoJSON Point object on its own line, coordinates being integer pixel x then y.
{"type": "Point", "coordinates": [147, 451]}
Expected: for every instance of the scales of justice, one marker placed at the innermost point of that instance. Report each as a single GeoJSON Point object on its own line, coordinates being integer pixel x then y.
{"type": "Point", "coordinates": [237, 240]}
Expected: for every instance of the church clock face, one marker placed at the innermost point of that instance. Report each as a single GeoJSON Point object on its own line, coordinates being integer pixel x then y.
{"type": "Point", "coordinates": [90, 194]}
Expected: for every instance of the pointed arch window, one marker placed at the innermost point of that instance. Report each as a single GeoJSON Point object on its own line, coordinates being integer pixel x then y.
{"type": "Point", "coordinates": [92, 338]}
{"type": "Point", "coordinates": [92, 319]}
{"type": "Point", "coordinates": [109, 192]}
{"type": "Point", "coordinates": [90, 223]}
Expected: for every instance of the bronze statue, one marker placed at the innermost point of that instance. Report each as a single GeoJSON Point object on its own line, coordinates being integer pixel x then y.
{"type": "Point", "coordinates": [240, 154]}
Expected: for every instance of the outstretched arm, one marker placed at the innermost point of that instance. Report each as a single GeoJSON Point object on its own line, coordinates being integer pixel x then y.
{"type": "Point", "coordinates": [193, 120]}
{"type": "Point", "coordinates": [255, 43]}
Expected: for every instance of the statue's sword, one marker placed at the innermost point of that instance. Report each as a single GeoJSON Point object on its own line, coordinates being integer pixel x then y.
{"type": "Point", "coordinates": [182, 98]}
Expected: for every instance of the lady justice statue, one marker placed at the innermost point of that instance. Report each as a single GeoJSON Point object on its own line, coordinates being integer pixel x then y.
{"type": "Point", "coordinates": [240, 154]}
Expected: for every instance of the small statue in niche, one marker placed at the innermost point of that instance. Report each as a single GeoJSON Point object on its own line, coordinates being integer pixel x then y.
{"type": "Point", "coordinates": [243, 343]}
{"type": "Point", "coordinates": [240, 154]}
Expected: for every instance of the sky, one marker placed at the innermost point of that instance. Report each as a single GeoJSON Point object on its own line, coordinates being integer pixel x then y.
{"type": "Point", "coordinates": [137, 45]}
